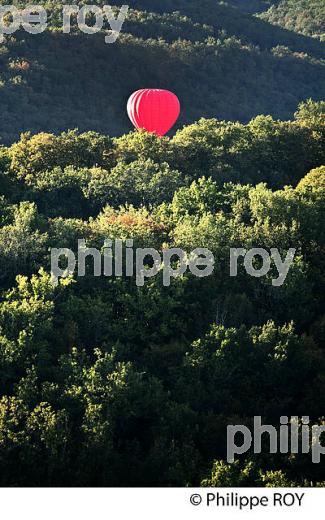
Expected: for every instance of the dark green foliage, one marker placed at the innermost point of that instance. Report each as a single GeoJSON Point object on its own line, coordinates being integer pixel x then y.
{"type": "Point", "coordinates": [220, 62]}
{"type": "Point", "coordinates": [302, 16]}
{"type": "Point", "coordinates": [103, 383]}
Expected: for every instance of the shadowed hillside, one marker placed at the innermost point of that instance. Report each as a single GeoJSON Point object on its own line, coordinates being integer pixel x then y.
{"type": "Point", "coordinates": [220, 62]}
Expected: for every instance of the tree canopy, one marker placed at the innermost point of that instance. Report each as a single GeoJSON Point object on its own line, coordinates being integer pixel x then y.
{"type": "Point", "coordinates": [103, 383]}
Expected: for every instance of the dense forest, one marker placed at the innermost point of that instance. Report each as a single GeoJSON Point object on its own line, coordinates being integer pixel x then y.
{"type": "Point", "coordinates": [221, 62]}
{"type": "Point", "coordinates": [106, 383]}
{"type": "Point", "coordinates": [303, 16]}
{"type": "Point", "coordinates": [102, 382]}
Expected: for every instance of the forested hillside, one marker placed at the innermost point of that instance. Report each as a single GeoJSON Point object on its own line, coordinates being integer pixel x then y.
{"type": "Point", "coordinates": [303, 16]}
{"type": "Point", "coordinates": [250, 6]}
{"type": "Point", "coordinates": [220, 62]}
{"type": "Point", "coordinates": [103, 383]}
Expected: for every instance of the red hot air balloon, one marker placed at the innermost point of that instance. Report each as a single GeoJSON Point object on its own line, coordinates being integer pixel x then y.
{"type": "Point", "coordinates": [154, 110]}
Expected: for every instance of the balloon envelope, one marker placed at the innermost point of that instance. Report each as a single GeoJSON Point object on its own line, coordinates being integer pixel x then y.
{"type": "Point", "coordinates": [154, 110]}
